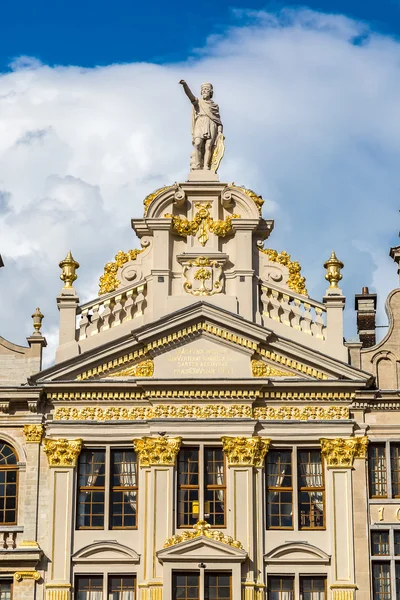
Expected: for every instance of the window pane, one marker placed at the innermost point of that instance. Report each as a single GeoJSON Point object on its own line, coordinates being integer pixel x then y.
{"type": "Point", "coordinates": [91, 481]}
{"type": "Point", "coordinates": [312, 588]}
{"type": "Point", "coordinates": [214, 482]}
{"type": "Point", "coordinates": [279, 478]}
{"type": "Point", "coordinates": [395, 468]}
{"type": "Point", "coordinates": [381, 581]}
{"type": "Point", "coordinates": [311, 495]}
{"type": "Point", "coordinates": [121, 587]}
{"type": "Point", "coordinates": [123, 509]}
{"type": "Point", "coordinates": [280, 588]}
{"type": "Point", "coordinates": [377, 471]}
{"type": "Point", "coordinates": [89, 588]}
{"type": "Point", "coordinates": [397, 571]}
{"type": "Point", "coordinates": [188, 487]}
{"type": "Point", "coordinates": [380, 543]}
{"type": "Point", "coordinates": [218, 586]}
{"type": "Point", "coordinates": [5, 589]}
{"type": "Point", "coordinates": [185, 586]}
{"type": "Point", "coordinates": [8, 485]}
{"type": "Point", "coordinates": [397, 542]}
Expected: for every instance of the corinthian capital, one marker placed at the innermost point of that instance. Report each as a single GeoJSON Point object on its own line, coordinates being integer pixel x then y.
{"type": "Point", "coordinates": [33, 433]}
{"type": "Point", "coordinates": [245, 452]}
{"type": "Point", "coordinates": [157, 451]}
{"type": "Point", "coordinates": [62, 452]}
{"type": "Point", "coordinates": [341, 453]}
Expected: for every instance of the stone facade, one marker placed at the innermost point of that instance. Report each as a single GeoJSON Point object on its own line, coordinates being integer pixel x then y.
{"type": "Point", "coordinates": [205, 425]}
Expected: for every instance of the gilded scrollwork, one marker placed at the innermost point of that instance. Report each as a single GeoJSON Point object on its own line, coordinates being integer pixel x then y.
{"type": "Point", "coordinates": [202, 224]}
{"type": "Point", "coordinates": [258, 200]}
{"type": "Point", "coordinates": [301, 413]}
{"type": "Point", "coordinates": [341, 452]}
{"type": "Point", "coordinates": [33, 433]}
{"type": "Point", "coordinates": [149, 199]}
{"type": "Point", "coordinates": [202, 528]}
{"type": "Point", "coordinates": [157, 451]}
{"type": "Point", "coordinates": [203, 269]}
{"type": "Point", "coordinates": [295, 281]}
{"type": "Point", "coordinates": [248, 452]}
{"type": "Point", "coordinates": [142, 369]}
{"type": "Point", "coordinates": [261, 369]}
{"type": "Point", "coordinates": [62, 452]}
{"type": "Point", "coordinates": [108, 281]}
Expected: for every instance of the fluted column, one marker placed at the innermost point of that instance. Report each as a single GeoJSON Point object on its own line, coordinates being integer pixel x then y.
{"type": "Point", "coordinates": [62, 455]}
{"type": "Point", "coordinates": [245, 458]}
{"type": "Point", "coordinates": [339, 456]}
{"type": "Point", "coordinates": [157, 457]}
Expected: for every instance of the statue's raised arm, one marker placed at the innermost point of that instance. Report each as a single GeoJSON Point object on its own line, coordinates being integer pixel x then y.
{"type": "Point", "coordinates": [207, 137]}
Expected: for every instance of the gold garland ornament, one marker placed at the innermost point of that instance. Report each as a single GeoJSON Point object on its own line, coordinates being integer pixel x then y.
{"type": "Point", "coordinates": [202, 528]}
{"type": "Point", "coordinates": [340, 453]}
{"type": "Point", "coordinates": [295, 282]}
{"type": "Point", "coordinates": [203, 223]}
{"type": "Point", "coordinates": [258, 200]}
{"type": "Point", "coordinates": [108, 281]}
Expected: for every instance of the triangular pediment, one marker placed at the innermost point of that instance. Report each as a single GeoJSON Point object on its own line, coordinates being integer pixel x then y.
{"type": "Point", "coordinates": [202, 342]}
{"type": "Point", "coordinates": [201, 549]}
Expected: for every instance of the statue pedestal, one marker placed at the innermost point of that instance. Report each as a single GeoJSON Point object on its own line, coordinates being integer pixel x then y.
{"type": "Point", "coordinates": [203, 175]}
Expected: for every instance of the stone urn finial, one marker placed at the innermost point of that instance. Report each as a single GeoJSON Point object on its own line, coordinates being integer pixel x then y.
{"type": "Point", "coordinates": [68, 266]}
{"type": "Point", "coordinates": [37, 321]}
{"type": "Point", "coordinates": [333, 267]}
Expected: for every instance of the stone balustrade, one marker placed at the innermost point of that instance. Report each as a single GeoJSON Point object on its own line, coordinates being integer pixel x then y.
{"type": "Point", "coordinates": [10, 537]}
{"type": "Point", "coordinates": [293, 310]}
{"type": "Point", "coordinates": [111, 310]}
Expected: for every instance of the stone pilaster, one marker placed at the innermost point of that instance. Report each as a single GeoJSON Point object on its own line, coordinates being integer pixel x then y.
{"type": "Point", "coordinates": [62, 455]}
{"type": "Point", "coordinates": [33, 436]}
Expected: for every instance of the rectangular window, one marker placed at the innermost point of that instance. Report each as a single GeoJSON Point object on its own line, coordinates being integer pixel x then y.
{"type": "Point", "coordinates": [377, 471]}
{"type": "Point", "coordinates": [218, 586]}
{"type": "Point", "coordinates": [91, 484]}
{"type": "Point", "coordinates": [279, 490]}
{"type": "Point", "coordinates": [381, 581]}
{"type": "Point", "coordinates": [214, 476]}
{"type": "Point", "coordinates": [280, 588]}
{"type": "Point", "coordinates": [380, 543]}
{"type": "Point", "coordinates": [8, 496]}
{"type": "Point", "coordinates": [312, 588]}
{"type": "Point", "coordinates": [395, 469]}
{"type": "Point", "coordinates": [89, 588]}
{"type": "Point", "coordinates": [186, 586]}
{"type": "Point", "coordinates": [201, 473]}
{"type": "Point", "coordinates": [121, 587]}
{"type": "Point", "coordinates": [311, 497]}
{"type": "Point", "coordinates": [124, 490]}
{"type": "Point", "coordinates": [396, 542]}
{"type": "Point", "coordinates": [5, 589]}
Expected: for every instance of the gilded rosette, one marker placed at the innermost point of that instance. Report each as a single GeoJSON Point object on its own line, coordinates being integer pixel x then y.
{"type": "Point", "coordinates": [245, 452]}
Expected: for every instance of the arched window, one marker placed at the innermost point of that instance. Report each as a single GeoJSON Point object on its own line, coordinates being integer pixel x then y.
{"type": "Point", "coordinates": [8, 485]}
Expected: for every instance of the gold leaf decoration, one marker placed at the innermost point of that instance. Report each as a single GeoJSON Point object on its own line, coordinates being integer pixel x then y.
{"type": "Point", "coordinates": [108, 281]}
{"type": "Point", "coordinates": [248, 452]}
{"type": "Point", "coordinates": [149, 199]}
{"type": "Point", "coordinates": [143, 369]}
{"type": "Point", "coordinates": [33, 433]}
{"type": "Point", "coordinates": [202, 528]}
{"type": "Point", "coordinates": [295, 281]}
{"type": "Point", "coordinates": [261, 369]}
{"type": "Point", "coordinates": [258, 200]}
{"type": "Point", "coordinates": [302, 413]}
{"type": "Point", "coordinates": [157, 451]}
{"type": "Point", "coordinates": [62, 452]}
{"type": "Point", "coordinates": [340, 453]}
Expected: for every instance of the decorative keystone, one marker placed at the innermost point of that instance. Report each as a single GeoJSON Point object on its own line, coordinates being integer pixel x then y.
{"type": "Point", "coordinates": [245, 452]}
{"type": "Point", "coordinates": [333, 267]}
{"type": "Point", "coordinates": [62, 452]}
{"type": "Point", "coordinates": [37, 321]}
{"type": "Point", "coordinates": [33, 433]}
{"type": "Point", "coordinates": [340, 453]}
{"type": "Point", "coordinates": [68, 266]}
{"type": "Point", "coordinates": [157, 451]}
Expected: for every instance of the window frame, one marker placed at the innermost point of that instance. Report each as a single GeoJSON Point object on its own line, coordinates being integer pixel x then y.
{"type": "Point", "coordinates": [202, 575]}
{"type": "Point", "coordinates": [310, 489]}
{"type": "Point", "coordinates": [290, 577]}
{"type": "Point", "coordinates": [280, 489]}
{"type": "Point", "coordinates": [384, 445]}
{"type": "Point", "coordinates": [119, 488]}
{"type": "Point", "coordinates": [6, 469]}
{"type": "Point", "coordinates": [312, 576]}
{"type": "Point", "coordinates": [391, 558]}
{"type": "Point", "coordinates": [105, 576]}
{"type": "Point", "coordinates": [108, 488]}
{"type": "Point", "coordinates": [202, 486]}
{"type": "Point", "coordinates": [10, 581]}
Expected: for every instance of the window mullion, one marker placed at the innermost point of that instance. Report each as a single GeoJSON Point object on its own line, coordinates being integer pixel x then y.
{"type": "Point", "coordinates": [107, 490]}
{"type": "Point", "coordinates": [389, 493]}
{"type": "Point", "coordinates": [295, 493]}
{"type": "Point", "coordinates": [201, 482]}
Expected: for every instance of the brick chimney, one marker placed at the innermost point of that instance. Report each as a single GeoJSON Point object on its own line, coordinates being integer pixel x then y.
{"type": "Point", "coordinates": [365, 305]}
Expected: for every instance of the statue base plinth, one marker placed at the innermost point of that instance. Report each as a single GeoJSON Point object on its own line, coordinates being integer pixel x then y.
{"type": "Point", "coordinates": [203, 175]}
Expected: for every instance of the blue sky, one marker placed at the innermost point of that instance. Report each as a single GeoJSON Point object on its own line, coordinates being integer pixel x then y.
{"type": "Point", "coordinates": [309, 98]}
{"type": "Point", "coordinates": [100, 32]}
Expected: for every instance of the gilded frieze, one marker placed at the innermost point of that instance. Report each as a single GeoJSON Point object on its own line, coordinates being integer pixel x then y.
{"type": "Point", "coordinates": [202, 528]}
{"type": "Point", "coordinates": [143, 369]}
{"type": "Point", "coordinates": [62, 452]}
{"type": "Point", "coordinates": [303, 413]}
{"type": "Point", "coordinates": [33, 433]}
{"type": "Point", "coordinates": [341, 452]}
{"type": "Point", "coordinates": [160, 451]}
{"type": "Point", "coordinates": [295, 281]}
{"type": "Point", "coordinates": [246, 452]}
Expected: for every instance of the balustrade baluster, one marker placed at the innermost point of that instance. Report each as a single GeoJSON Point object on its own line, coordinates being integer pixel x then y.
{"type": "Point", "coordinates": [296, 314]}
{"type": "Point", "coordinates": [140, 299]}
{"type": "Point", "coordinates": [286, 310]}
{"type": "Point", "coordinates": [129, 306]}
{"type": "Point", "coordinates": [319, 324]}
{"type": "Point", "coordinates": [94, 326]}
{"type": "Point", "coordinates": [118, 311]}
{"type": "Point", "coordinates": [108, 316]}
{"type": "Point", "coordinates": [84, 324]}
{"type": "Point", "coordinates": [275, 306]}
{"type": "Point", "coordinates": [307, 319]}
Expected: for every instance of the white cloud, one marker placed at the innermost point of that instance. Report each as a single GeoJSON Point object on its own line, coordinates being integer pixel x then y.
{"type": "Point", "coordinates": [310, 109]}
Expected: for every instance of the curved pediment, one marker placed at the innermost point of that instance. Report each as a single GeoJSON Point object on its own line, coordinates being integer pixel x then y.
{"type": "Point", "coordinates": [297, 553]}
{"type": "Point", "coordinates": [106, 552]}
{"type": "Point", "coordinates": [201, 549]}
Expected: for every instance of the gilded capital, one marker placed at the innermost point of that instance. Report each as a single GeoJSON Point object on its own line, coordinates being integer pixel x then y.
{"type": "Point", "coordinates": [62, 452]}
{"type": "Point", "coordinates": [157, 451]}
{"type": "Point", "coordinates": [340, 453]}
{"type": "Point", "coordinates": [245, 452]}
{"type": "Point", "coordinates": [33, 433]}
{"type": "Point", "coordinates": [21, 575]}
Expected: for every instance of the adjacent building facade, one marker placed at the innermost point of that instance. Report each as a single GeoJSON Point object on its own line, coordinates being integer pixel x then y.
{"type": "Point", "coordinates": [205, 432]}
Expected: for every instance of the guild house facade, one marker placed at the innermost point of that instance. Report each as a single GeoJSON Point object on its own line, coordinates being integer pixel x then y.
{"type": "Point", "coordinates": [205, 432]}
